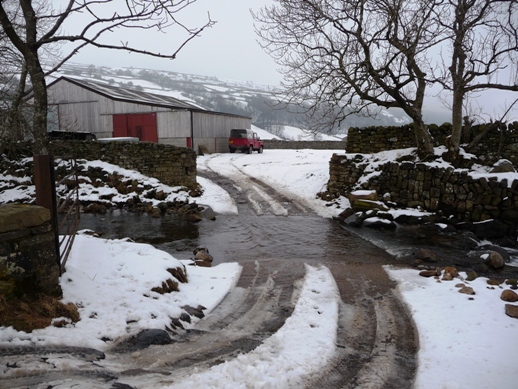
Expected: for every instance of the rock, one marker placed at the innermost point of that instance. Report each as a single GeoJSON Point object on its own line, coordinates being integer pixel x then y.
{"type": "Point", "coordinates": [409, 219]}
{"type": "Point", "coordinates": [429, 273]}
{"type": "Point", "coordinates": [156, 212]}
{"type": "Point", "coordinates": [379, 223]}
{"type": "Point", "coordinates": [371, 195]}
{"type": "Point", "coordinates": [471, 275]}
{"type": "Point", "coordinates": [511, 281]}
{"type": "Point", "coordinates": [147, 338]}
{"type": "Point", "coordinates": [203, 263]}
{"type": "Point", "coordinates": [503, 252]}
{"type": "Point", "coordinates": [202, 254]}
{"type": "Point", "coordinates": [509, 295]}
{"type": "Point", "coordinates": [425, 255]}
{"type": "Point", "coordinates": [493, 282]}
{"type": "Point", "coordinates": [467, 290]}
{"type": "Point", "coordinates": [354, 220]}
{"type": "Point", "coordinates": [490, 229]}
{"type": "Point", "coordinates": [447, 277]}
{"type": "Point", "coordinates": [452, 271]}
{"type": "Point", "coordinates": [493, 259]}
{"type": "Point", "coordinates": [366, 205]}
{"type": "Point", "coordinates": [503, 166]}
{"type": "Point", "coordinates": [345, 214]}
{"type": "Point", "coordinates": [511, 310]}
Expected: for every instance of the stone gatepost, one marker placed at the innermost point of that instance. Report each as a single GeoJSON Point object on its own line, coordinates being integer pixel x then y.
{"type": "Point", "coordinates": [28, 262]}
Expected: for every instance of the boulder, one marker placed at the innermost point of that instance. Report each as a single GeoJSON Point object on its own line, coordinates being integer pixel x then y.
{"type": "Point", "coordinates": [511, 310]}
{"type": "Point", "coordinates": [493, 259]}
{"type": "Point", "coordinates": [425, 255]}
{"type": "Point", "coordinates": [362, 195]}
{"type": "Point", "coordinates": [509, 295]}
{"type": "Point", "coordinates": [467, 290]}
{"type": "Point", "coordinates": [503, 166]}
{"type": "Point", "coordinates": [379, 223]}
{"type": "Point", "coordinates": [490, 229]}
{"type": "Point", "coordinates": [361, 205]}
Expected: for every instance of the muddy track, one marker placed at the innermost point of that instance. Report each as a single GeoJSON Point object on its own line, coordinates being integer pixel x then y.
{"type": "Point", "coordinates": [275, 236]}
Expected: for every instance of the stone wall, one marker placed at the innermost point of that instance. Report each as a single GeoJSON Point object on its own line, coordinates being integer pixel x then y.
{"type": "Point", "coordinates": [500, 142]}
{"type": "Point", "coordinates": [28, 263]}
{"type": "Point", "coordinates": [408, 184]}
{"type": "Point", "coordinates": [275, 144]}
{"type": "Point", "coordinates": [175, 166]}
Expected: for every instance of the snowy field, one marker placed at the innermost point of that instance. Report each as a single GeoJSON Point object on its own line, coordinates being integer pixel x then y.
{"type": "Point", "coordinates": [465, 341]}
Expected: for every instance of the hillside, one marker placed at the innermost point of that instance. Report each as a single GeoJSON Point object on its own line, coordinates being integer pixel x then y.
{"type": "Point", "coordinates": [241, 98]}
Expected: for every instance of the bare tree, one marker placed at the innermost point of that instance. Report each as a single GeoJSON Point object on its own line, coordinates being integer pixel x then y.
{"type": "Point", "coordinates": [357, 55]}
{"type": "Point", "coordinates": [483, 41]}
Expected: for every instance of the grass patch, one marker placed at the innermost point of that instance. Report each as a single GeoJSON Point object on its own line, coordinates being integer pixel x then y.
{"type": "Point", "coordinates": [33, 313]}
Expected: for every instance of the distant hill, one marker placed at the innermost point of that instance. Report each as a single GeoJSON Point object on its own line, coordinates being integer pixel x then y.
{"type": "Point", "coordinates": [241, 98]}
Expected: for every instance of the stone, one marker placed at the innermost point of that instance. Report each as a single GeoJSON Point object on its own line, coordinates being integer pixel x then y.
{"type": "Point", "coordinates": [467, 290]}
{"type": "Point", "coordinates": [425, 255]}
{"type": "Point", "coordinates": [471, 275]}
{"type": "Point", "coordinates": [503, 166]}
{"type": "Point", "coordinates": [202, 254]}
{"type": "Point", "coordinates": [511, 310]}
{"type": "Point", "coordinates": [429, 273]}
{"type": "Point", "coordinates": [361, 205]}
{"type": "Point", "coordinates": [493, 259]}
{"type": "Point", "coordinates": [490, 229]}
{"type": "Point", "coordinates": [362, 195]}
{"type": "Point", "coordinates": [379, 223]}
{"type": "Point", "coordinates": [447, 277]}
{"type": "Point", "coordinates": [452, 271]}
{"type": "Point", "coordinates": [509, 295]}
{"type": "Point", "coordinates": [19, 216]}
{"type": "Point", "coordinates": [511, 281]}
{"type": "Point", "coordinates": [493, 282]}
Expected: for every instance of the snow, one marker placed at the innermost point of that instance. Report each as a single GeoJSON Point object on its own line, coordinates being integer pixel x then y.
{"type": "Point", "coordinates": [464, 341]}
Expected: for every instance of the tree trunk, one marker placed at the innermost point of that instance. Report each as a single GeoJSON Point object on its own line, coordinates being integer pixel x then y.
{"type": "Point", "coordinates": [423, 139]}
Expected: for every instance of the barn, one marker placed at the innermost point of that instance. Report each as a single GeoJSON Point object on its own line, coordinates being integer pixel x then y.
{"type": "Point", "coordinates": [84, 106]}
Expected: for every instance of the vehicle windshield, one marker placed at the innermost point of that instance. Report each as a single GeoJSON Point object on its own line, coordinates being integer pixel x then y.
{"type": "Point", "coordinates": [238, 133]}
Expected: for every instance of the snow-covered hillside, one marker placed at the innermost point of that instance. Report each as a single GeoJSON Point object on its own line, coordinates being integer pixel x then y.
{"type": "Point", "coordinates": [236, 97]}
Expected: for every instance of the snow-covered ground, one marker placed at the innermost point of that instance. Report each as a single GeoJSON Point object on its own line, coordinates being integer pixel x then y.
{"type": "Point", "coordinates": [465, 341]}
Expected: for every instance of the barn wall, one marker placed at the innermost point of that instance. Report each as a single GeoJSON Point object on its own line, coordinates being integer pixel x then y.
{"type": "Point", "coordinates": [211, 130]}
{"type": "Point", "coordinates": [172, 125]}
{"type": "Point", "coordinates": [79, 109]}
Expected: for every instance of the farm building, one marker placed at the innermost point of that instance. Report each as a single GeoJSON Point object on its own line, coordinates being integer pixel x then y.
{"type": "Point", "coordinates": [77, 105]}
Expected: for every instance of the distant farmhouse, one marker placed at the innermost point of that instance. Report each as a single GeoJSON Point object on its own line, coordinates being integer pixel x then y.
{"type": "Point", "coordinates": [107, 111]}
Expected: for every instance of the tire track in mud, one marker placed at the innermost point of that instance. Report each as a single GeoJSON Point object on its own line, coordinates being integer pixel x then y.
{"type": "Point", "coordinates": [376, 340]}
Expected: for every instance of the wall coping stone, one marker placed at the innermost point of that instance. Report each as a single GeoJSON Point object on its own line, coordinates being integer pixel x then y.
{"type": "Point", "coordinates": [18, 216]}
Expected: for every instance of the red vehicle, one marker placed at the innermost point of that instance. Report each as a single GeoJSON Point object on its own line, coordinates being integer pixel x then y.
{"type": "Point", "coordinates": [245, 140]}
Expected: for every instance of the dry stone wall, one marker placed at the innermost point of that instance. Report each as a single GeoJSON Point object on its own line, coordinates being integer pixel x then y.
{"type": "Point", "coordinates": [408, 184]}
{"type": "Point", "coordinates": [175, 166]}
{"type": "Point", "coordinates": [28, 262]}
{"type": "Point", "coordinates": [500, 142]}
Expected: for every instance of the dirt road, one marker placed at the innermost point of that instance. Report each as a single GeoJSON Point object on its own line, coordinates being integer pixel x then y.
{"type": "Point", "coordinates": [272, 238]}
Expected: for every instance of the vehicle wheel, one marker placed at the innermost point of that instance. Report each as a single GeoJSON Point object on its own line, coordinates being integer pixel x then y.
{"type": "Point", "coordinates": [250, 150]}
{"type": "Point", "coordinates": [260, 150]}
{"type": "Point", "coordinates": [232, 150]}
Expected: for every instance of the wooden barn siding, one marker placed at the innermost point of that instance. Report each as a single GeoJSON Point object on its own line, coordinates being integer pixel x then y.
{"type": "Point", "coordinates": [79, 109]}
{"type": "Point", "coordinates": [207, 125]}
{"type": "Point", "coordinates": [172, 125]}
{"type": "Point", "coordinates": [211, 131]}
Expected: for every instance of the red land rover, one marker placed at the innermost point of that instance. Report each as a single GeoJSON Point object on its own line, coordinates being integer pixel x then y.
{"type": "Point", "coordinates": [245, 140]}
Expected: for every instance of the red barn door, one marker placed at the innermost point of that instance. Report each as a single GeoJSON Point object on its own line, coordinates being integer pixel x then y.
{"type": "Point", "coordinates": [138, 125]}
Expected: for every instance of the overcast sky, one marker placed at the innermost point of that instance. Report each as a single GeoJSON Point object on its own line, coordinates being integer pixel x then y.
{"type": "Point", "coordinates": [227, 50]}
